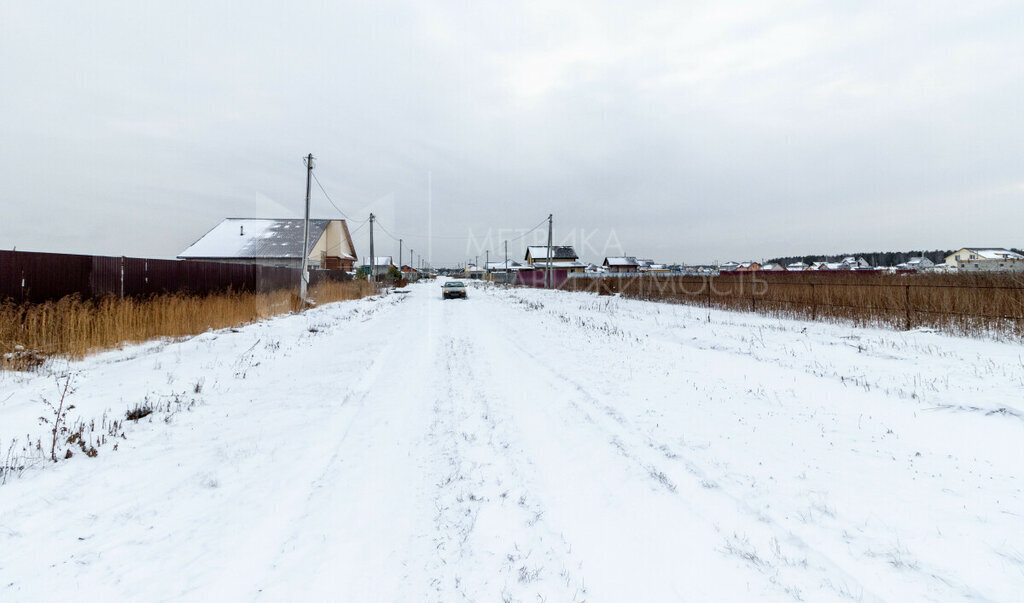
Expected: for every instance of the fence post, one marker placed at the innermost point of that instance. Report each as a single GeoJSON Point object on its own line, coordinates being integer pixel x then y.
{"type": "Point", "coordinates": [906, 297]}
{"type": "Point", "coordinates": [814, 304]}
{"type": "Point", "coordinates": [122, 277]}
{"type": "Point", "coordinates": [753, 301]}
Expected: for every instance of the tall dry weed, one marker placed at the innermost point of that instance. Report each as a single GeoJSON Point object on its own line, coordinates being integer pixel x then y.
{"type": "Point", "coordinates": [73, 327]}
{"type": "Point", "coordinates": [966, 304]}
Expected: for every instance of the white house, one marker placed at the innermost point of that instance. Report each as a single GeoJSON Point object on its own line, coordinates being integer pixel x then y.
{"type": "Point", "coordinates": [919, 264]}
{"type": "Point", "coordinates": [856, 263]}
{"type": "Point", "coordinates": [382, 264]}
{"type": "Point", "coordinates": [986, 259]}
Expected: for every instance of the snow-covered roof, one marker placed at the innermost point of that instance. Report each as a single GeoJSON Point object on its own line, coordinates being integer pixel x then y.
{"type": "Point", "coordinates": [621, 261]}
{"type": "Point", "coordinates": [558, 252]}
{"type": "Point", "coordinates": [995, 253]}
{"type": "Point", "coordinates": [255, 238]}
{"type": "Point", "coordinates": [512, 265]}
{"type": "Point", "coordinates": [383, 260]}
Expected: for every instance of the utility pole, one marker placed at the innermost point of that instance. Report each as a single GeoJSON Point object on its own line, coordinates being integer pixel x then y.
{"type": "Point", "coordinates": [373, 260]}
{"type": "Point", "coordinates": [400, 254]}
{"type": "Point", "coordinates": [547, 273]}
{"type": "Point", "coordinates": [412, 264]}
{"type": "Point", "coordinates": [304, 275]}
{"type": "Point", "coordinates": [506, 261]}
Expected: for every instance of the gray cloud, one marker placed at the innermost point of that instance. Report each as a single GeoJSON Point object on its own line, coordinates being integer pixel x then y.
{"type": "Point", "coordinates": [680, 131]}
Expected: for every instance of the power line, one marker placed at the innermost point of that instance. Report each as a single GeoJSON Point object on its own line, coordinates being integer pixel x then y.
{"type": "Point", "coordinates": [401, 235]}
{"type": "Point", "coordinates": [529, 231]}
{"type": "Point", "coordinates": [360, 226]}
{"type": "Point", "coordinates": [329, 200]}
{"type": "Point", "coordinates": [386, 231]}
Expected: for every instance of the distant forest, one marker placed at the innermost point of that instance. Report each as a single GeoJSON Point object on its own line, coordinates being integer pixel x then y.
{"type": "Point", "coordinates": [875, 258]}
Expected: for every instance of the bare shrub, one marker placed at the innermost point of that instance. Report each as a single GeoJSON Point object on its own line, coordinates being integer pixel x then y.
{"type": "Point", "coordinates": [58, 414]}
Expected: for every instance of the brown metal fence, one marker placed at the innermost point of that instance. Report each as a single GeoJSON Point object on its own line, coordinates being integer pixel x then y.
{"type": "Point", "coordinates": [39, 277]}
{"type": "Point", "coordinates": [955, 303]}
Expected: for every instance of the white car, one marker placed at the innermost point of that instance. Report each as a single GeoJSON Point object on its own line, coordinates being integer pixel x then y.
{"type": "Point", "coordinates": [453, 289]}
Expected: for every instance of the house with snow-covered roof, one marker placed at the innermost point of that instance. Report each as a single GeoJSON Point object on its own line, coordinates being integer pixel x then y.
{"type": "Point", "coordinates": [986, 259]}
{"type": "Point", "coordinates": [918, 264]}
{"type": "Point", "coordinates": [856, 263]}
{"type": "Point", "coordinates": [275, 242]}
{"type": "Point", "coordinates": [511, 266]}
{"type": "Point", "coordinates": [563, 257]}
{"type": "Point", "coordinates": [381, 265]}
{"type": "Point", "coordinates": [620, 264]}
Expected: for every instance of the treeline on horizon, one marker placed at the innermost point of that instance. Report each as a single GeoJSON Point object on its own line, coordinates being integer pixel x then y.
{"type": "Point", "coordinates": [875, 258]}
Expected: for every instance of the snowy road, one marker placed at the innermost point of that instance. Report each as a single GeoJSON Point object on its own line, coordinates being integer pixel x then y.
{"type": "Point", "coordinates": [529, 445]}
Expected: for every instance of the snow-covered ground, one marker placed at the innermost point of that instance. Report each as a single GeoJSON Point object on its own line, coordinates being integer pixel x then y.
{"type": "Point", "coordinates": [527, 445]}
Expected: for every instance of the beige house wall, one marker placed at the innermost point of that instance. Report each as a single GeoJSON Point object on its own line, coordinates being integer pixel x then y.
{"type": "Point", "coordinates": [333, 242]}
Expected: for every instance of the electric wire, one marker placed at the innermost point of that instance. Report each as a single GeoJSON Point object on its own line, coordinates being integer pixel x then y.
{"type": "Point", "coordinates": [329, 200]}
{"type": "Point", "coordinates": [399, 236]}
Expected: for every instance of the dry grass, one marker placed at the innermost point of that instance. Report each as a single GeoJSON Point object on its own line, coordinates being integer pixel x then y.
{"type": "Point", "coordinates": [72, 327]}
{"type": "Point", "coordinates": [960, 304]}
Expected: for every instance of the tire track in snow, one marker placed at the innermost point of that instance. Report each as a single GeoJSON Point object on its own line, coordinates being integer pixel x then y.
{"type": "Point", "coordinates": [294, 548]}
{"type": "Point", "coordinates": [835, 568]}
{"type": "Point", "coordinates": [491, 538]}
{"type": "Point", "coordinates": [654, 457]}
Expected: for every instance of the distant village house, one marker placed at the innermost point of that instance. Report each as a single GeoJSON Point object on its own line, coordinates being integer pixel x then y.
{"type": "Point", "coordinates": [986, 259]}
{"type": "Point", "coordinates": [563, 257]}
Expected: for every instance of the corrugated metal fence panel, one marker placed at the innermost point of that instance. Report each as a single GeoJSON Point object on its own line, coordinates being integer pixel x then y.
{"type": "Point", "coordinates": [105, 278]}
{"type": "Point", "coordinates": [535, 278]}
{"type": "Point", "coordinates": [165, 276]}
{"type": "Point", "coordinates": [51, 276]}
{"type": "Point", "coordinates": [10, 276]}
{"type": "Point", "coordinates": [136, 277]}
{"type": "Point", "coordinates": [320, 276]}
{"type": "Point", "coordinates": [271, 278]}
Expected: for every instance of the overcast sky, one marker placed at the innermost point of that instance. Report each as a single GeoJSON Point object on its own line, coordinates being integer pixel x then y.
{"type": "Point", "coordinates": [680, 131]}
